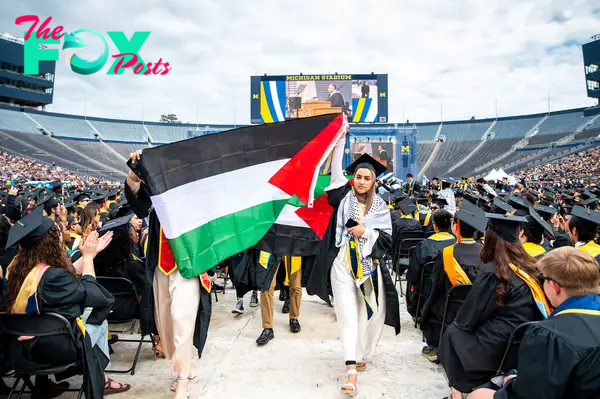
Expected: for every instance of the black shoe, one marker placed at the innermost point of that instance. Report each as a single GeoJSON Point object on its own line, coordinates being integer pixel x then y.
{"type": "Point", "coordinates": [286, 307]}
{"type": "Point", "coordinates": [265, 336]}
{"type": "Point", "coordinates": [254, 299]}
{"type": "Point", "coordinates": [295, 325]}
{"type": "Point", "coordinates": [284, 294]}
{"type": "Point", "coordinates": [49, 389]}
{"type": "Point", "coordinates": [218, 287]}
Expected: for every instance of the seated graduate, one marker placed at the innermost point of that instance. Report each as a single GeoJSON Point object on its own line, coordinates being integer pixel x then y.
{"type": "Point", "coordinates": [505, 294]}
{"type": "Point", "coordinates": [117, 260]}
{"type": "Point", "coordinates": [74, 229]}
{"type": "Point", "coordinates": [404, 226]}
{"type": "Point", "coordinates": [436, 205]}
{"type": "Point", "coordinates": [358, 235]}
{"type": "Point", "coordinates": [41, 279]}
{"type": "Point", "coordinates": [559, 357]}
{"type": "Point", "coordinates": [549, 214]}
{"type": "Point", "coordinates": [532, 234]}
{"type": "Point", "coordinates": [425, 252]}
{"type": "Point", "coordinates": [423, 212]}
{"type": "Point", "coordinates": [583, 228]}
{"type": "Point", "coordinates": [455, 264]}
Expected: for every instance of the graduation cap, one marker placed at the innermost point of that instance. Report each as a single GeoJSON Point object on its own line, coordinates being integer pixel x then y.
{"type": "Point", "coordinates": [586, 195]}
{"type": "Point", "coordinates": [56, 185]}
{"type": "Point", "coordinates": [422, 201]}
{"type": "Point", "coordinates": [367, 162]}
{"type": "Point", "coordinates": [499, 206]}
{"type": "Point", "coordinates": [586, 214]}
{"type": "Point", "coordinates": [81, 197]}
{"type": "Point", "coordinates": [99, 197]}
{"type": "Point", "coordinates": [591, 203]}
{"type": "Point", "coordinates": [407, 206]}
{"type": "Point", "coordinates": [29, 230]}
{"type": "Point", "coordinates": [48, 202]}
{"type": "Point", "coordinates": [546, 211]}
{"type": "Point", "coordinates": [473, 198]}
{"type": "Point", "coordinates": [506, 226]}
{"type": "Point", "coordinates": [473, 216]}
{"type": "Point", "coordinates": [519, 204]}
{"type": "Point", "coordinates": [70, 220]}
{"type": "Point", "coordinates": [439, 201]}
{"type": "Point", "coordinates": [535, 219]}
{"type": "Point", "coordinates": [116, 223]}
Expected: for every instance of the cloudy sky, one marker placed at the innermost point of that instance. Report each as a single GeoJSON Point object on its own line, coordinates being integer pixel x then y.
{"type": "Point", "coordinates": [460, 55]}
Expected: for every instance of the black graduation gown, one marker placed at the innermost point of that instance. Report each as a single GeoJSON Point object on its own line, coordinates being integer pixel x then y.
{"type": "Point", "coordinates": [562, 240]}
{"type": "Point", "coordinates": [472, 347]}
{"type": "Point", "coordinates": [134, 271]}
{"type": "Point", "coordinates": [60, 292]}
{"type": "Point", "coordinates": [142, 207]}
{"type": "Point", "coordinates": [248, 274]}
{"type": "Point", "coordinates": [468, 257]}
{"type": "Point", "coordinates": [425, 252]}
{"type": "Point", "coordinates": [319, 282]}
{"type": "Point", "coordinates": [558, 359]}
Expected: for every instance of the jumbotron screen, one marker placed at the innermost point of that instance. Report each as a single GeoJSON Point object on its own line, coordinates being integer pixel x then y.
{"type": "Point", "coordinates": [363, 97]}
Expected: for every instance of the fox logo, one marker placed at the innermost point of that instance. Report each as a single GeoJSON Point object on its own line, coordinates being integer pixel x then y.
{"type": "Point", "coordinates": [73, 45]}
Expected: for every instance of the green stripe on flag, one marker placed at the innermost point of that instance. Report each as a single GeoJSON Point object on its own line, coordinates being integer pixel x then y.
{"type": "Point", "coordinates": [198, 250]}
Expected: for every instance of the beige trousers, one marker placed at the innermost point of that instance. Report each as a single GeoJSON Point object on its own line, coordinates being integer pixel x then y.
{"type": "Point", "coordinates": [266, 297]}
{"type": "Point", "coordinates": [176, 302]}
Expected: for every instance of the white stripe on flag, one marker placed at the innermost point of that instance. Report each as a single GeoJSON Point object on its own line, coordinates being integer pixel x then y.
{"type": "Point", "coordinates": [194, 204]}
{"type": "Point", "coordinates": [276, 102]}
{"type": "Point", "coordinates": [289, 217]}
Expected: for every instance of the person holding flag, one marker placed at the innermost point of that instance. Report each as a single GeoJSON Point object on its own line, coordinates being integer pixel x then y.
{"type": "Point", "coordinates": [359, 233]}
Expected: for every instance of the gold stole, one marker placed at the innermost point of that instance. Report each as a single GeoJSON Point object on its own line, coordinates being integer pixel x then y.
{"type": "Point", "coordinates": [453, 270]}
{"type": "Point", "coordinates": [533, 249]}
{"type": "Point", "coordinates": [538, 293]}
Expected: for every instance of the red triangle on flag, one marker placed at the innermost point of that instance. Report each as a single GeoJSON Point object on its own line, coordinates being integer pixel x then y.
{"type": "Point", "coordinates": [298, 176]}
{"type": "Point", "coordinates": [317, 217]}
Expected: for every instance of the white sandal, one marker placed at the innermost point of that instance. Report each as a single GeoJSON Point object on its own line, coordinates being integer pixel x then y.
{"type": "Point", "coordinates": [174, 384]}
{"type": "Point", "coordinates": [348, 388]}
{"type": "Point", "coordinates": [183, 391]}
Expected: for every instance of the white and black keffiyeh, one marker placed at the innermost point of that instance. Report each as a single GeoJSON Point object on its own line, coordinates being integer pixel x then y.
{"type": "Point", "coordinates": [377, 219]}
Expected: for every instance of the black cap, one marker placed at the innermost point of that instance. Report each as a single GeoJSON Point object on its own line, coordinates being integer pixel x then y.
{"type": "Point", "coordinates": [586, 214]}
{"type": "Point", "coordinates": [473, 198]}
{"type": "Point", "coordinates": [591, 203]}
{"type": "Point", "coordinates": [439, 201]}
{"type": "Point", "coordinates": [70, 220]}
{"type": "Point", "coordinates": [546, 211]}
{"type": "Point", "coordinates": [56, 185]}
{"type": "Point", "coordinates": [506, 226]}
{"type": "Point", "coordinates": [81, 197]}
{"type": "Point", "coordinates": [501, 207]}
{"type": "Point", "coordinates": [519, 204]}
{"type": "Point", "coordinates": [473, 216]}
{"type": "Point", "coordinates": [368, 162]}
{"type": "Point", "coordinates": [116, 223]}
{"type": "Point", "coordinates": [535, 219]}
{"type": "Point", "coordinates": [29, 230]}
{"type": "Point", "coordinates": [407, 206]}
{"type": "Point", "coordinates": [48, 202]}
{"type": "Point", "coordinates": [587, 195]}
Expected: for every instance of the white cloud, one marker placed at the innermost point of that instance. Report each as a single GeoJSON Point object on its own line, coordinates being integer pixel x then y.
{"type": "Point", "coordinates": [463, 54]}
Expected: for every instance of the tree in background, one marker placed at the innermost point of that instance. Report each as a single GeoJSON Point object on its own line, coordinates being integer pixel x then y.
{"type": "Point", "coordinates": [169, 118]}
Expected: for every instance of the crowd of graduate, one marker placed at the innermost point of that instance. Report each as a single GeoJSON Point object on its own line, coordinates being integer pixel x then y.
{"type": "Point", "coordinates": [487, 263]}
{"type": "Point", "coordinates": [482, 260]}
{"type": "Point", "coordinates": [579, 167]}
{"type": "Point", "coordinates": [23, 169]}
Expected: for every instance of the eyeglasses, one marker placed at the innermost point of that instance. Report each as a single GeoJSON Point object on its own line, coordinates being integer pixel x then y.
{"type": "Point", "coordinates": [541, 279]}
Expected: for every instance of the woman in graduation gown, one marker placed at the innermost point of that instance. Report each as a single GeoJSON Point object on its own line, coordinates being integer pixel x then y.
{"type": "Point", "coordinates": [358, 234]}
{"type": "Point", "coordinates": [41, 279]}
{"type": "Point", "coordinates": [505, 294]}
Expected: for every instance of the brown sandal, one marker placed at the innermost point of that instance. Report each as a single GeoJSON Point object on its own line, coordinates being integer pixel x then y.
{"type": "Point", "coordinates": [108, 390]}
{"type": "Point", "coordinates": [157, 347]}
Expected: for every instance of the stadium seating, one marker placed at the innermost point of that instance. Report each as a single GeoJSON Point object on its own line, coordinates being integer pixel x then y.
{"type": "Point", "coordinates": [563, 122]}
{"type": "Point", "coordinates": [120, 131]}
{"type": "Point", "coordinates": [100, 146]}
{"type": "Point", "coordinates": [16, 121]}
{"type": "Point", "coordinates": [64, 126]}
{"type": "Point", "coordinates": [449, 155]}
{"type": "Point", "coordinates": [514, 127]}
{"type": "Point", "coordinates": [465, 131]}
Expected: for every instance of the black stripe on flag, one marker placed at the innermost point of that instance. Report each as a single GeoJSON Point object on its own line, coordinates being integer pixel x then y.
{"type": "Point", "coordinates": [173, 165]}
{"type": "Point", "coordinates": [290, 240]}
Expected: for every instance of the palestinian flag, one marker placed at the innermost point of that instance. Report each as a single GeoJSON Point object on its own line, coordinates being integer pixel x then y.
{"type": "Point", "coordinates": [299, 229]}
{"type": "Point", "coordinates": [219, 194]}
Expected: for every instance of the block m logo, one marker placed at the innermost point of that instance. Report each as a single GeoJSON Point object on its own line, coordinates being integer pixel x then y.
{"type": "Point", "coordinates": [405, 148]}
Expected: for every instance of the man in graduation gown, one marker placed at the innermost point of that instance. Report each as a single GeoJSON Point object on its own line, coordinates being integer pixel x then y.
{"type": "Point", "coordinates": [583, 228]}
{"type": "Point", "coordinates": [405, 225]}
{"type": "Point", "coordinates": [532, 234]}
{"type": "Point", "coordinates": [455, 264]}
{"type": "Point", "coordinates": [558, 357]}
{"type": "Point", "coordinates": [189, 299]}
{"type": "Point", "coordinates": [425, 252]}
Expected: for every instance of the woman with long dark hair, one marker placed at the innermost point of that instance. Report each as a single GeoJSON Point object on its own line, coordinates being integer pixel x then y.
{"type": "Point", "coordinates": [41, 279]}
{"type": "Point", "coordinates": [505, 294]}
{"type": "Point", "coordinates": [359, 233]}
{"type": "Point", "coordinates": [90, 217]}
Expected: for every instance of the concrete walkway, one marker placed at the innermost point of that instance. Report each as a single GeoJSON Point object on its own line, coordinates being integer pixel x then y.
{"type": "Point", "coordinates": [304, 365]}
